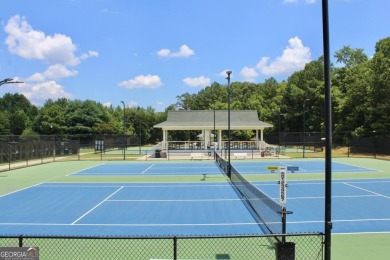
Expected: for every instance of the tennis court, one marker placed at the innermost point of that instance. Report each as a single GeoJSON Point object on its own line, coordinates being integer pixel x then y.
{"type": "Point", "coordinates": [209, 168]}
{"type": "Point", "coordinates": [358, 205]}
{"type": "Point", "coordinates": [203, 207]}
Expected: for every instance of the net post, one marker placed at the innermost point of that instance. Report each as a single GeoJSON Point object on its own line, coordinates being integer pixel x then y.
{"type": "Point", "coordinates": [284, 214]}
{"type": "Point", "coordinates": [174, 247]}
{"type": "Point", "coordinates": [229, 170]}
{"type": "Point", "coordinates": [285, 250]}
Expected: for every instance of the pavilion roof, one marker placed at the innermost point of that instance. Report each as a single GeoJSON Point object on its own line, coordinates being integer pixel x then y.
{"type": "Point", "coordinates": [204, 120]}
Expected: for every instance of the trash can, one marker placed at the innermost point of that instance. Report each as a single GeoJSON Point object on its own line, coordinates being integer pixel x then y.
{"type": "Point", "coordinates": [157, 153]}
{"type": "Point", "coordinates": [262, 154]}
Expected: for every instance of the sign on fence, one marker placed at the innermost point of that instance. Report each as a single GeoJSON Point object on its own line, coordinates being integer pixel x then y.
{"type": "Point", "coordinates": [19, 253]}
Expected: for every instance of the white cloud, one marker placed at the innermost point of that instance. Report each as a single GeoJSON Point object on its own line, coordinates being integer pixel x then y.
{"type": "Point", "coordinates": [39, 93]}
{"type": "Point", "coordinates": [142, 81]}
{"type": "Point", "coordinates": [133, 103]}
{"type": "Point", "coordinates": [59, 71]}
{"type": "Point", "coordinates": [294, 58]}
{"type": "Point", "coordinates": [201, 81]}
{"type": "Point", "coordinates": [89, 54]}
{"type": "Point", "coordinates": [311, 1]}
{"type": "Point", "coordinates": [249, 74]}
{"type": "Point", "coordinates": [24, 41]}
{"type": "Point", "coordinates": [164, 52]}
{"type": "Point", "coordinates": [36, 77]}
{"type": "Point", "coordinates": [53, 72]}
{"type": "Point", "coordinates": [107, 104]}
{"type": "Point", "coordinates": [184, 52]}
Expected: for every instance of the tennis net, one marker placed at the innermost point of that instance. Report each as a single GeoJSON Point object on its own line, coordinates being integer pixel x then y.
{"type": "Point", "coordinates": [267, 211]}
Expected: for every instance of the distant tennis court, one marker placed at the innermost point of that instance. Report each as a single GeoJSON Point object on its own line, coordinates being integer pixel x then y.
{"type": "Point", "coordinates": [305, 166]}
{"type": "Point", "coordinates": [198, 168]}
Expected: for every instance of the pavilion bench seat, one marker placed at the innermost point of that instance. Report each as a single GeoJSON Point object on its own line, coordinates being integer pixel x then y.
{"type": "Point", "coordinates": [240, 155]}
{"type": "Point", "coordinates": [198, 156]}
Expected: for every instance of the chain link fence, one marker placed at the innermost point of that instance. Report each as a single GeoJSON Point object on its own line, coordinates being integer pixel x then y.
{"type": "Point", "coordinates": [21, 151]}
{"type": "Point", "coordinates": [299, 144]}
{"type": "Point", "coordinates": [295, 246]}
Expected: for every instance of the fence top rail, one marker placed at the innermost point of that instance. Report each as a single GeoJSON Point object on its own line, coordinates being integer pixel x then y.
{"type": "Point", "coordinates": [156, 237]}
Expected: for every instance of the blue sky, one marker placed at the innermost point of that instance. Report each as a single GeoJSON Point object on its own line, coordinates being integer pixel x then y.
{"type": "Point", "coordinates": [147, 52]}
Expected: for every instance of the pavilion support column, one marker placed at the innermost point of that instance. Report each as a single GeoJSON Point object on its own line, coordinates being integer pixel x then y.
{"type": "Point", "coordinates": [205, 138]}
{"type": "Point", "coordinates": [165, 139]}
{"type": "Point", "coordinates": [261, 139]}
{"type": "Point", "coordinates": [219, 139]}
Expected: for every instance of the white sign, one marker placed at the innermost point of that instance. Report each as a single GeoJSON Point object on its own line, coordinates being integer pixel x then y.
{"type": "Point", "coordinates": [282, 186]}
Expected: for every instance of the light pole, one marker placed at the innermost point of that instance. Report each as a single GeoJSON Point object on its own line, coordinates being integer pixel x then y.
{"type": "Point", "coordinates": [280, 114]}
{"type": "Point", "coordinates": [124, 117]}
{"type": "Point", "coordinates": [140, 133]}
{"type": "Point", "coordinates": [229, 170]}
{"type": "Point", "coordinates": [304, 125]}
{"type": "Point", "coordinates": [214, 133]}
{"type": "Point", "coordinates": [124, 129]}
{"type": "Point", "coordinates": [9, 81]}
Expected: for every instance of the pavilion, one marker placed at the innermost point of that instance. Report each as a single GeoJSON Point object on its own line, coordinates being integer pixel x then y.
{"type": "Point", "coordinates": [210, 120]}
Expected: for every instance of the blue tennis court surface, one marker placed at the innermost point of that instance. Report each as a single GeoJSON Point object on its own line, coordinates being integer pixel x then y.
{"type": "Point", "coordinates": [198, 168]}
{"type": "Point", "coordinates": [207, 208]}
{"type": "Point", "coordinates": [311, 166]}
{"type": "Point", "coordinates": [126, 209]}
{"type": "Point", "coordinates": [357, 205]}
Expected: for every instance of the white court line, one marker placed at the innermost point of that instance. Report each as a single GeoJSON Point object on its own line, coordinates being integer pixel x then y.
{"type": "Point", "coordinates": [111, 185]}
{"type": "Point", "coordinates": [365, 181]}
{"type": "Point", "coordinates": [341, 196]}
{"type": "Point", "coordinates": [363, 168]}
{"type": "Point", "coordinates": [367, 190]}
{"type": "Point", "coordinates": [339, 220]}
{"type": "Point", "coordinates": [194, 200]}
{"type": "Point", "coordinates": [148, 168]}
{"type": "Point", "coordinates": [89, 211]}
{"type": "Point", "coordinates": [129, 225]}
{"type": "Point", "coordinates": [20, 189]}
{"type": "Point", "coordinates": [85, 169]}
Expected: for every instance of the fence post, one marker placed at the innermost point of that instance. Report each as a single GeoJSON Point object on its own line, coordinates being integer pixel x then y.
{"type": "Point", "coordinates": [174, 248]}
{"type": "Point", "coordinates": [20, 241]}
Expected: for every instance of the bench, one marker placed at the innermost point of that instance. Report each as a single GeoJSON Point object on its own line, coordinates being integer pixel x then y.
{"type": "Point", "coordinates": [195, 156]}
{"type": "Point", "coordinates": [240, 155]}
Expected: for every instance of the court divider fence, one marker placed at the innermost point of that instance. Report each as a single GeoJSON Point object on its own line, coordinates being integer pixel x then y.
{"type": "Point", "coordinates": [296, 246]}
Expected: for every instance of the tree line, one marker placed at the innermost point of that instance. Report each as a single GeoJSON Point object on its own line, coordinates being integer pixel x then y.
{"type": "Point", "coordinates": [360, 88]}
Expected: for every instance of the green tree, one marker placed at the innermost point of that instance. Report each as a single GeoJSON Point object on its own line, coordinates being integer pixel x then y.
{"type": "Point", "coordinates": [350, 57]}
{"type": "Point", "coordinates": [21, 112]}
{"type": "Point", "coordinates": [380, 88]}
{"type": "Point", "coordinates": [51, 117]}
{"type": "Point", "coordinates": [5, 128]}
{"type": "Point", "coordinates": [82, 116]}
